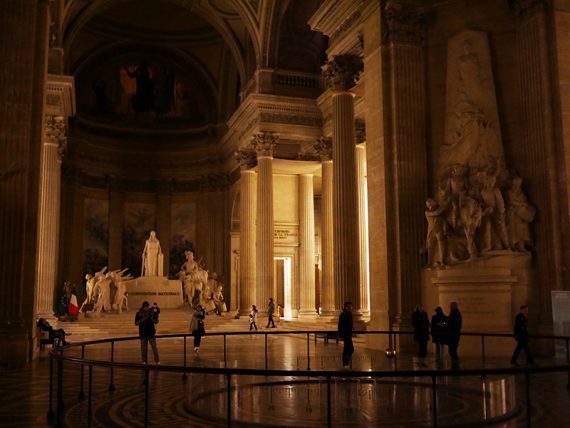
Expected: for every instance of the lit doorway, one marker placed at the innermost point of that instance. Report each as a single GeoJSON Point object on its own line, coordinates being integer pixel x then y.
{"type": "Point", "coordinates": [283, 284]}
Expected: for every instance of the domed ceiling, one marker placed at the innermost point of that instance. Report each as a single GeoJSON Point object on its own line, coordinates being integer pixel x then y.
{"type": "Point", "coordinates": [146, 66]}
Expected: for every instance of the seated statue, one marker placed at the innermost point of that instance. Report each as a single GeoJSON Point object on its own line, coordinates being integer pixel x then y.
{"type": "Point", "coordinates": [519, 214]}
{"type": "Point", "coordinates": [219, 302]}
{"type": "Point", "coordinates": [193, 277]}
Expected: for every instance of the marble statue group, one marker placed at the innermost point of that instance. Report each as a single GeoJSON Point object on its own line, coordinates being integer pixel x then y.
{"type": "Point", "coordinates": [106, 291]}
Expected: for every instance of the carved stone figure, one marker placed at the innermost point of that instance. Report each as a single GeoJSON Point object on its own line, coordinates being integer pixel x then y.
{"type": "Point", "coordinates": [218, 297]}
{"type": "Point", "coordinates": [193, 277]}
{"type": "Point", "coordinates": [519, 214]}
{"type": "Point", "coordinates": [152, 257]}
{"type": "Point", "coordinates": [435, 241]}
{"type": "Point", "coordinates": [494, 227]}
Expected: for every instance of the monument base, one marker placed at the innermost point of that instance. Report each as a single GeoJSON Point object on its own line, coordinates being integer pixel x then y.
{"type": "Point", "coordinates": [167, 293]}
{"type": "Point", "coordinates": [489, 291]}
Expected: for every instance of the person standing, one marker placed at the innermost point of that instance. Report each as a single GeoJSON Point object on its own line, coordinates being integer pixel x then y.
{"type": "Point", "coordinates": [270, 312]}
{"type": "Point", "coordinates": [197, 327]}
{"type": "Point", "coordinates": [521, 336]}
{"type": "Point", "coordinates": [253, 318]}
{"type": "Point", "coordinates": [147, 332]}
{"type": "Point", "coordinates": [454, 324]}
{"type": "Point", "coordinates": [438, 326]}
{"type": "Point", "coordinates": [345, 326]}
{"type": "Point", "coordinates": [421, 325]}
{"type": "Point", "coordinates": [155, 312]}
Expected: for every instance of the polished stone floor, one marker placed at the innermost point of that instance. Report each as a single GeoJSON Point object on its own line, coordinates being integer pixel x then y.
{"type": "Point", "coordinates": [260, 401]}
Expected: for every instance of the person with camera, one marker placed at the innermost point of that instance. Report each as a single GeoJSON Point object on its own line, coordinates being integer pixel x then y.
{"type": "Point", "coordinates": [147, 331]}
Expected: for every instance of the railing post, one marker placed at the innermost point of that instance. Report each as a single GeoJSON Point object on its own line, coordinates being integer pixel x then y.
{"type": "Point", "coordinates": [528, 406]}
{"type": "Point", "coordinates": [111, 385]}
{"type": "Point", "coordinates": [308, 353]}
{"type": "Point", "coordinates": [90, 396]}
{"type": "Point", "coordinates": [146, 398]}
{"type": "Point", "coordinates": [81, 395]}
{"type": "Point", "coordinates": [184, 375]}
{"type": "Point", "coordinates": [483, 347]}
{"type": "Point", "coordinates": [50, 413]}
{"type": "Point", "coordinates": [434, 399]}
{"type": "Point", "coordinates": [329, 404]}
{"type": "Point", "coordinates": [229, 399]}
{"type": "Point", "coordinates": [225, 353]}
{"type": "Point", "coordinates": [266, 351]}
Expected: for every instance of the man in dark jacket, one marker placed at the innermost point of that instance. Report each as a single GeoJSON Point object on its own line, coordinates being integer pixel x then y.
{"type": "Point", "coordinates": [521, 336]}
{"type": "Point", "coordinates": [147, 331]}
{"type": "Point", "coordinates": [270, 312]}
{"type": "Point", "coordinates": [438, 330]}
{"type": "Point", "coordinates": [454, 324]}
{"type": "Point", "coordinates": [345, 333]}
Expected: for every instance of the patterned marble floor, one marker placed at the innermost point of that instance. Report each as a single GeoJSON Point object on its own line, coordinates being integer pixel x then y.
{"type": "Point", "coordinates": [259, 401]}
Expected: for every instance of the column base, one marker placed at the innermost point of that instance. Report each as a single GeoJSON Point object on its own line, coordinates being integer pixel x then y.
{"type": "Point", "coordinates": [308, 314]}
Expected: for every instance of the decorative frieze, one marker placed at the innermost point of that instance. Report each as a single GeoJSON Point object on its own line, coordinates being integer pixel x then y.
{"type": "Point", "coordinates": [342, 72]}
{"type": "Point", "coordinates": [404, 24]}
{"type": "Point", "coordinates": [529, 7]}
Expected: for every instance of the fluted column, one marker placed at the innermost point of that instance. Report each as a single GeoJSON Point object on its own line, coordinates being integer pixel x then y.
{"type": "Point", "coordinates": [537, 153]}
{"type": "Point", "coordinates": [306, 246]}
{"type": "Point", "coordinates": [341, 73]}
{"type": "Point", "coordinates": [264, 144]}
{"type": "Point", "coordinates": [24, 35]}
{"type": "Point", "coordinates": [248, 210]}
{"type": "Point", "coordinates": [363, 227]}
{"type": "Point", "coordinates": [53, 147]}
{"type": "Point", "coordinates": [324, 148]}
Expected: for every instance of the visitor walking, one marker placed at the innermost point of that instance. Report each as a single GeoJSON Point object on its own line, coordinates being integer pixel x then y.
{"type": "Point", "coordinates": [147, 332]}
{"type": "Point", "coordinates": [270, 312]}
{"type": "Point", "coordinates": [521, 336]}
{"type": "Point", "coordinates": [253, 318]}
{"type": "Point", "coordinates": [454, 324]}
{"type": "Point", "coordinates": [421, 325]}
{"type": "Point", "coordinates": [345, 327]}
{"type": "Point", "coordinates": [438, 336]}
{"type": "Point", "coordinates": [197, 327]}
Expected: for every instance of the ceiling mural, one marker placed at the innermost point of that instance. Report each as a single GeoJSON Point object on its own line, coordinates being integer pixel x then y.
{"type": "Point", "coordinates": [140, 91]}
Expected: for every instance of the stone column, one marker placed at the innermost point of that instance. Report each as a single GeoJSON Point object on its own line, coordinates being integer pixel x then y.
{"type": "Point", "coordinates": [306, 246]}
{"type": "Point", "coordinates": [537, 153]}
{"type": "Point", "coordinates": [362, 222]}
{"type": "Point", "coordinates": [406, 136]}
{"type": "Point", "coordinates": [341, 74]}
{"type": "Point", "coordinates": [24, 34]}
{"type": "Point", "coordinates": [53, 148]}
{"type": "Point", "coordinates": [324, 148]}
{"type": "Point", "coordinates": [248, 203]}
{"type": "Point", "coordinates": [264, 144]}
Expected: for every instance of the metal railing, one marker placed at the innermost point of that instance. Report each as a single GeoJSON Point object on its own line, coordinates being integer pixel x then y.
{"type": "Point", "coordinates": [59, 355]}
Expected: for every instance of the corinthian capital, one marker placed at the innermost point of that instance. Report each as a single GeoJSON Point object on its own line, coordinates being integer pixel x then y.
{"type": "Point", "coordinates": [264, 143]}
{"type": "Point", "coordinates": [56, 133]}
{"type": "Point", "coordinates": [245, 157]}
{"type": "Point", "coordinates": [323, 146]}
{"type": "Point", "coordinates": [342, 72]}
{"type": "Point", "coordinates": [404, 24]}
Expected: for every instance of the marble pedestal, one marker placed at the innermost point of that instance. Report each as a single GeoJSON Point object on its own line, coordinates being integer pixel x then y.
{"type": "Point", "coordinates": [489, 291]}
{"type": "Point", "coordinates": [167, 293]}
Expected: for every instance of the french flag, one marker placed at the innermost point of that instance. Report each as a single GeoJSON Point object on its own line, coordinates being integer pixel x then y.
{"type": "Point", "coordinates": [73, 308]}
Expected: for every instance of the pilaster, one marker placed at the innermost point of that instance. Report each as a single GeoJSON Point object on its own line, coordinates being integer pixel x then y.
{"type": "Point", "coordinates": [306, 246]}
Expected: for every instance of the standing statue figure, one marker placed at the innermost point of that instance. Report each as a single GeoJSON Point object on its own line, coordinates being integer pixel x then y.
{"type": "Point", "coordinates": [152, 257]}
{"type": "Point", "coordinates": [494, 227]}
{"type": "Point", "coordinates": [435, 241]}
{"type": "Point", "coordinates": [520, 213]}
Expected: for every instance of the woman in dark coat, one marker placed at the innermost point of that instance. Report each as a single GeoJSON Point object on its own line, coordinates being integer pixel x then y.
{"type": "Point", "coordinates": [438, 332]}
{"type": "Point", "coordinates": [421, 325]}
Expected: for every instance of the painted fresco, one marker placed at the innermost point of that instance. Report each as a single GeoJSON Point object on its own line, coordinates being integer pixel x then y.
{"type": "Point", "coordinates": [140, 219]}
{"type": "Point", "coordinates": [96, 235]}
{"type": "Point", "coordinates": [183, 226]}
{"type": "Point", "coordinates": [139, 92]}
